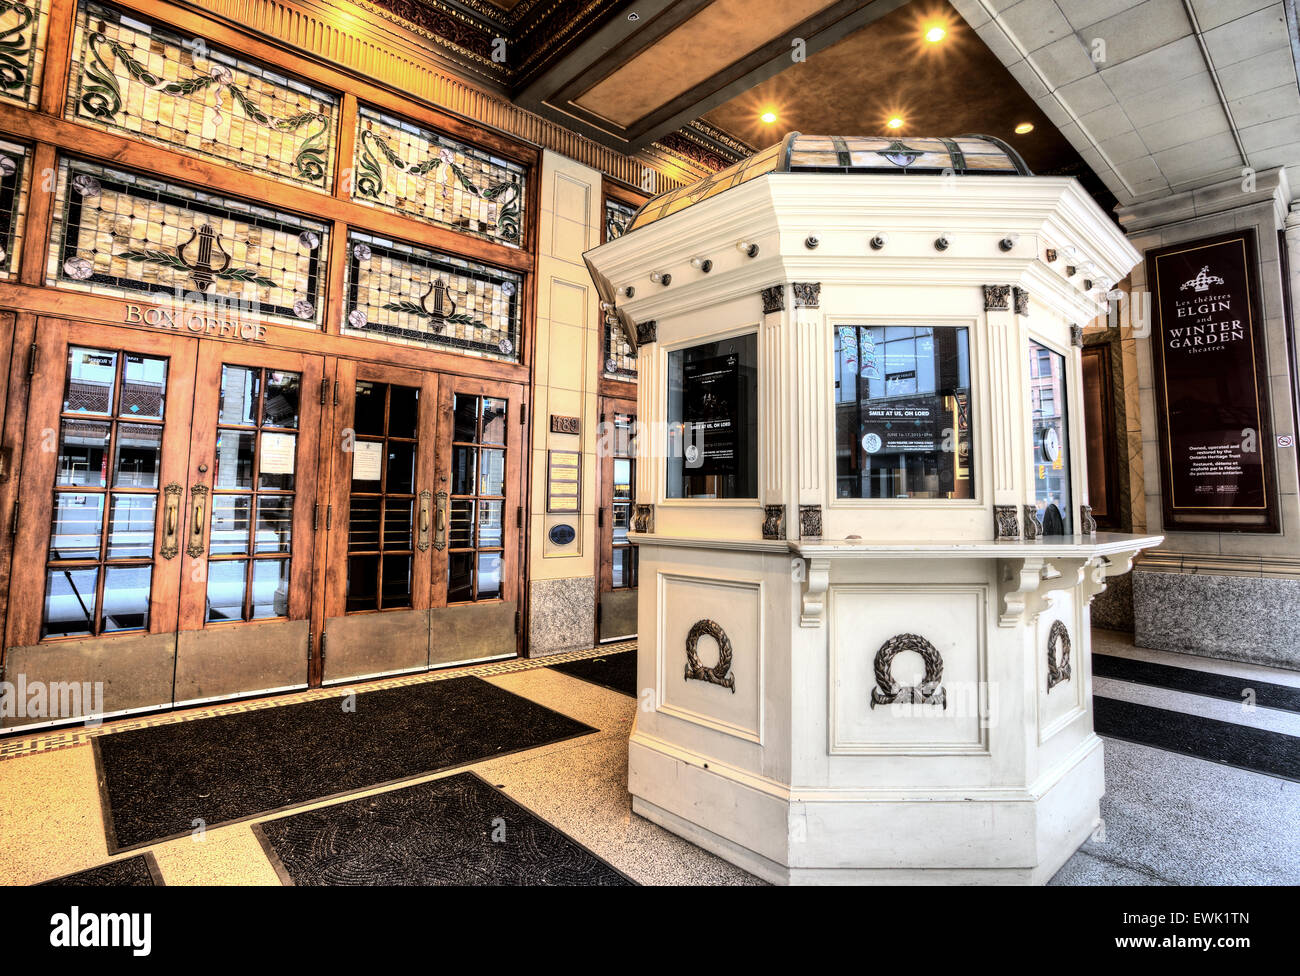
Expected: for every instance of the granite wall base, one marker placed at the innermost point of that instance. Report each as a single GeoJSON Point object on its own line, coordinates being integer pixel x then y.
{"type": "Point", "coordinates": [561, 615]}
{"type": "Point", "coordinates": [1237, 618]}
{"type": "Point", "coordinates": [1113, 607]}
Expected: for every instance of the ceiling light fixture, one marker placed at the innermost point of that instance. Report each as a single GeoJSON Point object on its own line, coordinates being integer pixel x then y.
{"type": "Point", "coordinates": [895, 123]}
{"type": "Point", "coordinates": [769, 117]}
{"type": "Point", "coordinates": [935, 34]}
{"type": "Point", "coordinates": [1024, 127]}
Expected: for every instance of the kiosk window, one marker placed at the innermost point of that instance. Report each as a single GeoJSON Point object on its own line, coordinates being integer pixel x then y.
{"type": "Point", "coordinates": [903, 412]}
{"type": "Point", "coordinates": [713, 420]}
{"type": "Point", "coordinates": [1051, 458]}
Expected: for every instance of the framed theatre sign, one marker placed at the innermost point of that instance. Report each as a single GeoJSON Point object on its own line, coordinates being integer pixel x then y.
{"type": "Point", "coordinates": [1211, 386]}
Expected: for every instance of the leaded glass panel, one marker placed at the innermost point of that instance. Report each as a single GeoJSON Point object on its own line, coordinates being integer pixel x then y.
{"type": "Point", "coordinates": [620, 357]}
{"type": "Point", "coordinates": [410, 294]}
{"type": "Point", "coordinates": [23, 25]}
{"type": "Point", "coordinates": [145, 79]}
{"type": "Point", "coordinates": [413, 170]}
{"type": "Point", "coordinates": [118, 232]}
{"type": "Point", "coordinates": [14, 167]}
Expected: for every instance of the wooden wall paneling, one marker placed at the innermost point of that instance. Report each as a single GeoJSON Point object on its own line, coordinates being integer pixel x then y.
{"type": "Point", "coordinates": [112, 311]}
{"type": "Point", "coordinates": [16, 332]}
{"type": "Point", "coordinates": [58, 46]}
{"type": "Point", "coordinates": [40, 210]}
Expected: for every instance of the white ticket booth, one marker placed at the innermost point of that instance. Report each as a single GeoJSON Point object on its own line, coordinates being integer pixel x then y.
{"type": "Point", "coordinates": [865, 544]}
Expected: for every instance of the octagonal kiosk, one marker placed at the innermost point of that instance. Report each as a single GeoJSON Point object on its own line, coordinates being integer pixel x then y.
{"type": "Point", "coordinates": [866, 554]}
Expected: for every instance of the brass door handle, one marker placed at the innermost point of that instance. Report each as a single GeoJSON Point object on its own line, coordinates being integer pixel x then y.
{"type": "Point", "coordinates": [440, 523]}
{"type": "Point", "coordinates": [199, 503]}
{"type": "Point", "coordinates": [171, 521]}
{"type": "Point", "coordinates": [422, 540]}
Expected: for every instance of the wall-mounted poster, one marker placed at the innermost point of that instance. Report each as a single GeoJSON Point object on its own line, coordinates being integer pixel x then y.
{"type": "Point", "coordinates": [1211, 386]}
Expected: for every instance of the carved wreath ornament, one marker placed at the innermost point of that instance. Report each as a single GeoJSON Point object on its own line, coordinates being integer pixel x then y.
{"type": "Point", "coordinates": [1056, 673]}
{"type": "Point", "coordinates": [717, 675]}
{"type": "Point", "coordinates": [890, 692]}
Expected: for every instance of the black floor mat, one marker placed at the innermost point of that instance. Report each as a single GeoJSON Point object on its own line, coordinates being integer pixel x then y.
{"type": "Point", "coordinates": [616, 671]}
{"type": "Point", "coordinates": [1257, 750]}
{"type": "Point", "coordinates": [170, 780]}
{"type": "Point", "coordinates": [140, 871]}
{"type": "Point", "coordinates": [1195, 682]}
{"type": "Point", "coordinates": [457, 830]}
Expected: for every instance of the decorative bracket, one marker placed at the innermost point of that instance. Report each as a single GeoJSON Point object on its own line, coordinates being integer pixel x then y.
{"type": "Point", "coordinates": [1024, 585]}
{"type": "Point", "coordinates": [818, 572]}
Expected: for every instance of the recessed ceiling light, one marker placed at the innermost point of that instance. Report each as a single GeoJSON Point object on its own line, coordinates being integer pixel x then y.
{"type": "Point", "coordinates": [935, 34]}
{"type": "Point", "coordinates": [895, 123]}
{"type": "Point", "coordinates": [769, 117]}
{"type": "Point", "coordinates": [1024, 127]}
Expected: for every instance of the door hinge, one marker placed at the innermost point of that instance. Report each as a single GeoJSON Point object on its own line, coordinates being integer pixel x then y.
{"type": "Point", "coordinates": [31, 359]}
{"type": "Point", "coordinates": [13, 525]}
{"type": "Point", "coordinates": [523, 414]}
{"type": "Point", "coordinates": [324, 390]}
{"type": "Point", "coordinates": [519, 517]}
{"type": "Point", "coordinates": [315, 516]}
{"type": "Point", "coordinates": [600, 518]}
{"type": "Point", "coordinates": [329, 516]}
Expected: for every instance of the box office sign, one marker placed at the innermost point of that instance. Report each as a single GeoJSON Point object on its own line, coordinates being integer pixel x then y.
{"type": "Point", "coordinates": [1211, 381]}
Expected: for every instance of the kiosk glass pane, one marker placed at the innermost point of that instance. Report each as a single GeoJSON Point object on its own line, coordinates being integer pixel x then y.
{"type": "Point", "coordinates": [903, 412]}
{"type": "Point", "coordinates": [713, 419]}
{"type": "Point", "coordinates": [1051, 458]}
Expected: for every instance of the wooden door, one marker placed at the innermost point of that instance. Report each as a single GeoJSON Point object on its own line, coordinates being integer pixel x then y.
{"type": "Point", "coordinates": [380, 521]}
{"type": "Point", "coordinates": [478, 506]}
{"type": "Point", "coordinates": [95, 594]}
{"type": "Point", "coordinates": [250, 507]}
{"type": "Point", "coordinates": [616, 607]}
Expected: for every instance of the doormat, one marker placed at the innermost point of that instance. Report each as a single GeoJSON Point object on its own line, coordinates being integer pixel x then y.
{"type": "Point", "coordinates": [615, 671]}
{"type": "Point", "coordinates": [458, 830]}
{"type": "Point", "coordinates": [178, 779]}
{"type": "Point", "coordinates": [1256, 750]}
{"type": "Point", "coordinates": [1263, 694]}
{"type": "Point", "coordinates": [140, 871]}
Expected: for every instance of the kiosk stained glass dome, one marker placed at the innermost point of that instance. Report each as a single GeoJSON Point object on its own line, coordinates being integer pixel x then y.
{"type": "Point", "coordinates": [797, 153]}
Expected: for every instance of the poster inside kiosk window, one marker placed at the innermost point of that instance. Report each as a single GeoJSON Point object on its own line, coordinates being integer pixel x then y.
{"type": "Point", "coordinates": [1210, 378]}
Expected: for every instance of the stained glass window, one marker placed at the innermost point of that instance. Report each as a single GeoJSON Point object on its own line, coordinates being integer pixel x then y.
{"type": "Point", "coordinates": [140, 77]}
{"type": "Point", "coordinates": [23, 25]}
{"type": "Point", "coordinates": [620, 357]}
{"type": "Point", "coordinates": [410, 294]}
{"type": "Point", "coordinates": [14, 164]}
{"type": "Point", "coordinates": [413, 170]}
{"type": "Point", "coordinates": [118, 232]}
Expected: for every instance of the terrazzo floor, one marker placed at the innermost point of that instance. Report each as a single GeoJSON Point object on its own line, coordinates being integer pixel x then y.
{"type": "Point", "coordinates": [1168, 818]}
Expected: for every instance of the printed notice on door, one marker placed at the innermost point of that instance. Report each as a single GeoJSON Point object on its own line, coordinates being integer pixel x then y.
{"type": "Point", "coordinates": [277, 453]}
{"type": "Point", "coordinates": [367, 460]}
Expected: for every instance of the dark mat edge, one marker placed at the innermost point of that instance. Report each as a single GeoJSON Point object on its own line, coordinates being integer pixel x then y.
{"type": "Point", "coordinates": [557, 667]}
{"type": "Point", "coordinates": [111, 834]}
{"type": "Point", "coordinates": [1189, 691]}
{"type": "Point", "coordinates": [285, 878]}
{"type": "Point", "coordinates": [1188, 752]}
{"type": "Point", "coordinates": [150, 864]}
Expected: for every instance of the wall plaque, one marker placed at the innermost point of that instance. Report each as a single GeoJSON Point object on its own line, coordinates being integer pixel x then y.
{"type": "Point", "coordinates": [563, 481]}
{"type": "Point", "coordinates": [565, 425]}
{"type": "Point", "coordinates": [1216, 443]}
